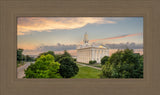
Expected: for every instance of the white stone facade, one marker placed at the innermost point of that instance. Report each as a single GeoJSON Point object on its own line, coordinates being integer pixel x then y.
{"type": "Point", "coordinates": [87, 52]}
{"type": "Point", "coordinates": [84, 55]}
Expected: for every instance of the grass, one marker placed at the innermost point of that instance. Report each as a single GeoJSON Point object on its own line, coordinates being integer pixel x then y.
{"type": "Point", "coordinates": [95, 65]}
{"type": "Point", "coordinates": [87, 72]}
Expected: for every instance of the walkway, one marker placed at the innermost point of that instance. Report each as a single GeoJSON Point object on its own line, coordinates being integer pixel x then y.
{"type": "Point", "coordinates": [89, 66]}
{"type": "Point", "coordinates": [20, 70]}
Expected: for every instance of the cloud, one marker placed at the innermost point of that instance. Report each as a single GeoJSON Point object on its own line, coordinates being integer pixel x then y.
{"type": "Point", "coordinates": [131, 45]}
{"type": "Point", "coordinates": [26, 46]}
{"type": "Point", "coordinates": [40, 24]}
{"type": "Point", "coordinates": [118, 37]}
{"type": "Point", "coordinates": [59, 48]}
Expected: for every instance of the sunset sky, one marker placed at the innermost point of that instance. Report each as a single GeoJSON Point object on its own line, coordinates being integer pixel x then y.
{"type": "Point", "coordinates": [47, 31]}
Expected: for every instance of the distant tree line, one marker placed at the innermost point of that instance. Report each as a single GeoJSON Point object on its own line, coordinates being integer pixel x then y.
{"type": "Point", "coordinates": [21, 57]}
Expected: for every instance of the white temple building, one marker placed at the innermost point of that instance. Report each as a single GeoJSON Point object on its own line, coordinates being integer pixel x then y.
{"type": "Point", "coordinates": [87, 52]}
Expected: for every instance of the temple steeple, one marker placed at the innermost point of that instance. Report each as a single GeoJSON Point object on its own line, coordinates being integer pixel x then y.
{"type": "Point", "coordinates": [85, 40]}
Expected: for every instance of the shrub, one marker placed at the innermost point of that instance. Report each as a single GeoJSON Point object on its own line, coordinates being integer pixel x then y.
{"type": "Point", "coordinates": [74, 59]}
{"type": "Point", "coordinates": [92, 62]}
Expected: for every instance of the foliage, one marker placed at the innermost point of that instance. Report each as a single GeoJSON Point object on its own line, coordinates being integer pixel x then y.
{"type": "Point", "coordinates": [19, 63]}
{"type": "Point", "coordinates": [68, 68]}
{"type": "Point", "coordinates": [19, 55]}
{"type": "Point", "coordinates": [123, 64]}
{"type": "Point", "coordinates": [44, 67]}
{"type": "Point", "coordinates": [60, 56]}
{"type": "Point", "coordinates": [104, 59]}
{"type": "Point", "coordinates": [28, 58]}
{"type": "Point", "coordinates": [92, 61]}
{"type": "Point", "coordinates": [66, 54]}
{"type": "Point", "coordinates": [74, 59]}
{"type": "Point", "coordinates": [46, 53]}
{"type": "Point", "coordinates": [87, 72]}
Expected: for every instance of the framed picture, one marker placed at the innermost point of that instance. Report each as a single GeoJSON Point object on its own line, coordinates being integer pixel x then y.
{"type": "Point", "coordinates": [112, 47]}
{"type": "Point", "coordinates": [26, 26]}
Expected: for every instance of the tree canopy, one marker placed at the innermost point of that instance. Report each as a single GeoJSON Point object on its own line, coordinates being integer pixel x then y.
{"type": "Point", "coordinates": [19, 54]}
{"type": "Point", "coordinates": [123, 64]}
{"type": "Point", "coordinates": [104, 59]}
{"type": "Point", "coordinates": [66, 54]}
{"type": "Point", "coordinates": [28, 58]}
{"type": "Point", "coordinates": [46, 53]}
{"type": "Point", "coordinates": [68, 68]}
{"type": "Point", "coordinates": [60, 56]}
{"type": "Point", "coordinates": [44, 67]}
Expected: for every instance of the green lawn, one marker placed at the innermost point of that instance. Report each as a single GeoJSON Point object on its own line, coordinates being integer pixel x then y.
{"type": "Point", "coordinates": [87, 72]}
{"type": "Point", "coordinates": [95, 65]}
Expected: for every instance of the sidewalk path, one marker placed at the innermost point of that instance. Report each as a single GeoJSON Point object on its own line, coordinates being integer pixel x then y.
{"type": "Point", "coordinates": [89, 66]}
{"type": "Point", "coordinates": [20, 70]}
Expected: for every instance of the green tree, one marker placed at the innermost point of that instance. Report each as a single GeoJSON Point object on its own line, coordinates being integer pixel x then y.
{"type": "Point", "coordinates": [66, 54]}
{"type": "Point", "coordinates": [60, 56]}
{"type": "Point", "coordinates": [68, 68]}
{"type": "Point", "coordinates": [28, 58]}
{"type": "Point", "coordinates": [123, 64]}
{"type": "Point", "coordinates": [104, 60]}
{"type": "Point", "coordinates": [44, 67]}
{"type": "Point", "coordinates": [46, 53]}
{"type": "Point", "coordinates": [19, 55]}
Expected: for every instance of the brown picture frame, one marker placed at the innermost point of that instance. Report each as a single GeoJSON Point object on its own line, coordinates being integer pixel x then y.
{"type": "Point", "coordinates": [11, 9]}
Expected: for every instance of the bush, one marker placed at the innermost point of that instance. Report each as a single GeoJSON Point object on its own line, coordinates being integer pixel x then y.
{"type": "Point", "coordinates": [74, 59]}
{"type": "Point", "coordinates": [68, 68]}
{"type": "Point", "coordinates": [92, 62]}
{"type": "Point", "coordinates": [123, 64]}
{"type": "Point", "coordinates": [104, 60]}
{"type": "Point", "coordinates": [44, 67]}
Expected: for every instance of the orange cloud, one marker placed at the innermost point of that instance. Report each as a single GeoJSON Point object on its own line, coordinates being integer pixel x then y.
{"type": "Point", "coordinates": [26, 46]}
{"type": "Point", "coordinates": [111, 38]}
{"type": "Point", "coordinates": [28, 24]}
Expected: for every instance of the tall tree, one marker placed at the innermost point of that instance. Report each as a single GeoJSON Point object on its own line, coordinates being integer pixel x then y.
{"type": "Point", "coordinates": [44, 67]}
{"type": "Point", "coordinates": [46, 53]}
{"type": "Point", "coordinates": [60, 56]}
{"type": "Point", "coordinates": [123, 64]}
{"type": "Point", "coordinates": [28, 58]}
{"type": "Point", "coordinates": [19, 55]}
{"type": "Point", "coordinates": [68, 68]}
{"type": "Point", "coordinates": [66, 54]}
{"type": "Point", "coordinates": [104, 60]}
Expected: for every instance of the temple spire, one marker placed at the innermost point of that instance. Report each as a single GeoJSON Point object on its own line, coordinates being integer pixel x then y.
{"type": "Point", "coordinates": [85, 40]}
